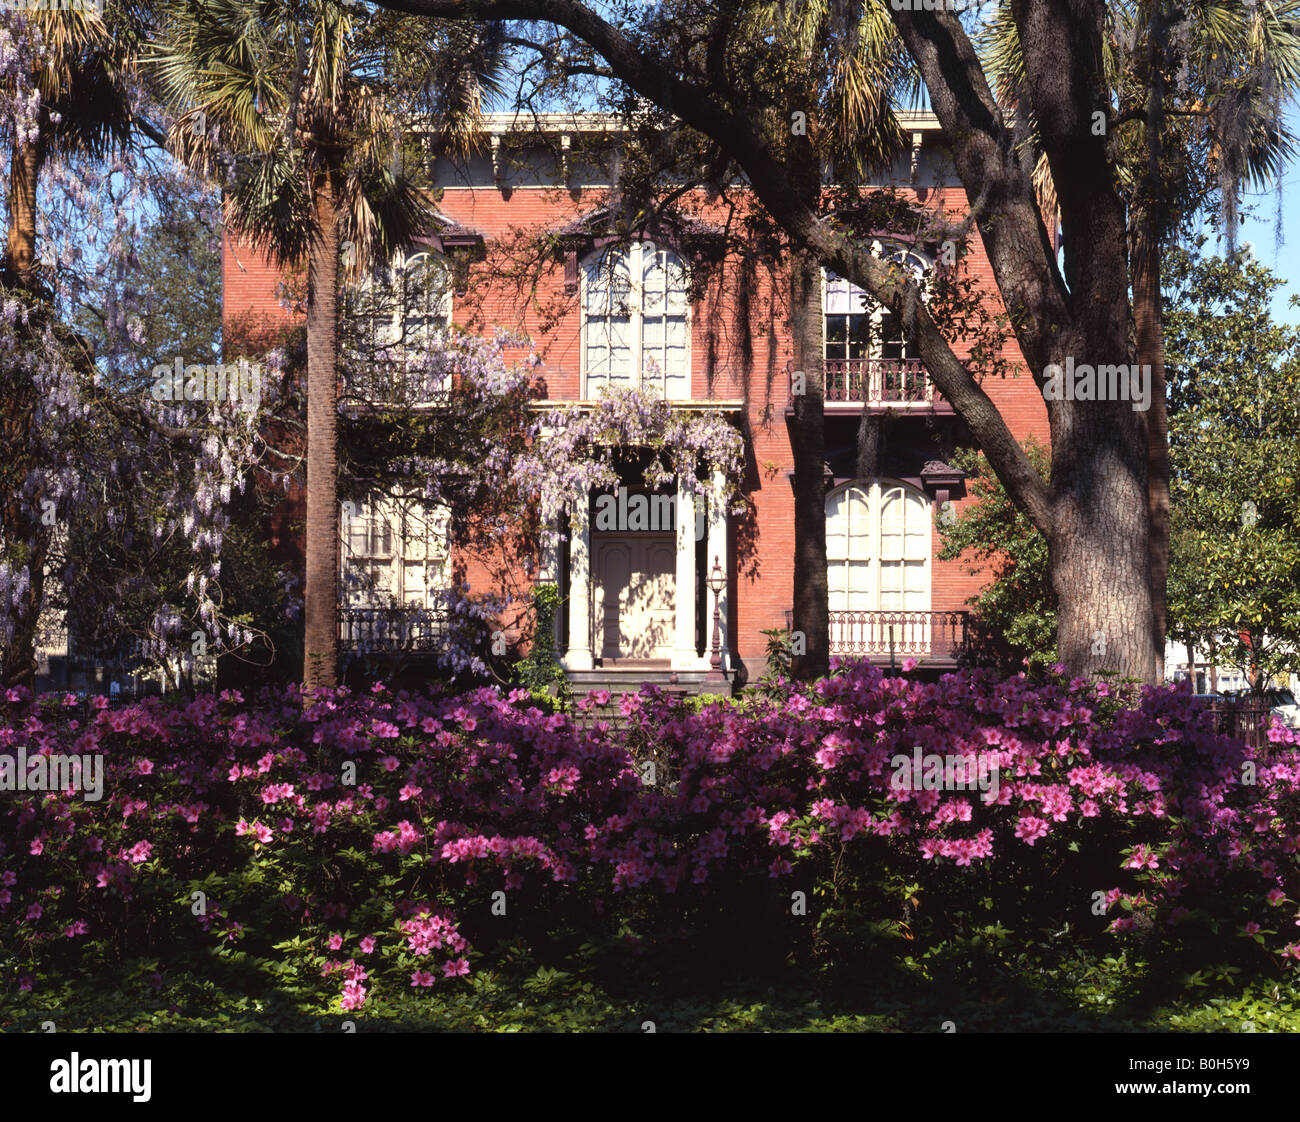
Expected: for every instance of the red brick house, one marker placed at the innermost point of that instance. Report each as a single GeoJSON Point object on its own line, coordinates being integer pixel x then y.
{"type": "Point", "coordinates": [637, 603]}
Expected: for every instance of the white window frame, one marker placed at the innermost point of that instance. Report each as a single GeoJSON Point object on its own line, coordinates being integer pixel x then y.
{"type": "Point", "coordinates": [875, 311]}
{"type": "Point", "coordinates": [439, 321]}
{"type": "Point", "coordinates": [634, 257]}
{"type": "Point", "coordinates": [876, 491]}
{"type": "Point", "coordinates": [416, 536]}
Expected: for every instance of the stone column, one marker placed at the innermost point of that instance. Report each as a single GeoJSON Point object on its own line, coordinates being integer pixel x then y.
{"type": "Point", "coordinates": [578, 656]}
{"type": "Point", "coordinates": [684, 656]}
{"type": "Point", "coordinates": [717, 548]}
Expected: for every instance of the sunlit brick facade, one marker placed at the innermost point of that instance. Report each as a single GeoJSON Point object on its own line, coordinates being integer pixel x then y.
{"type": "Point", "coordinates": [635, 599]}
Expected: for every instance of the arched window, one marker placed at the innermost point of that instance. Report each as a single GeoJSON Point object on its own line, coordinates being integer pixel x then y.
{"type": "Point", "coordinates": [867, 356]}
{"type": "Point", "coordinates": [878, 537]}
{"type": "Point", "coordinates": [391, 319]}
{"type": "Point", "coordinates": [635, 321]}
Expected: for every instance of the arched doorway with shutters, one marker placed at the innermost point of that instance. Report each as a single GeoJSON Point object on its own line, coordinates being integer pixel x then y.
{"type": "Point", "coordinates": [878, 562]}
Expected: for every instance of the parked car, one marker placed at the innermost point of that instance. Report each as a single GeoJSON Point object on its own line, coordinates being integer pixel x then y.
{"type": "Point", "coordinates": [1282, 704]}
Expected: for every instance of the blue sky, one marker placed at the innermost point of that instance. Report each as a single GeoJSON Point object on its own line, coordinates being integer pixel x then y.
{"type": "Point", "coordinates": [1260, 231]}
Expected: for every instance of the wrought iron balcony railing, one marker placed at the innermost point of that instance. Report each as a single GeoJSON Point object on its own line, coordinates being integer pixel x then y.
{"type": "Point", "coordinates": [383, 630]}
{"type": "Point", "coordinates": [879, 381]}
{"type": "Point", "coordinates": [899, 634]}
{"type": "Point", "coordinates": [882, 636]}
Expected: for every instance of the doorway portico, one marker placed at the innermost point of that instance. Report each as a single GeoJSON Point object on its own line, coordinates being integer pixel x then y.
{"type": "Point", "coordinates": [636, 597]}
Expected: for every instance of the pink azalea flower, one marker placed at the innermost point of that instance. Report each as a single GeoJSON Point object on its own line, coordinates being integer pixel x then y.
{"type": "Point", "coordinates": [454, 968]}
{"type": "Point", "coordinates": [354, 995]}
{"type": "Point", "coordinates": [1029, 829]}
{"type": "Point", "coordinates": [422, 978]}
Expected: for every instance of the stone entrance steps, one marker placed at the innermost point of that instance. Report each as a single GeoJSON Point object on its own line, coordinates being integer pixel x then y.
{"type": "Point", "coordinates": [621, 680]}
{"type": "Point", "coordinates": [629, 679]}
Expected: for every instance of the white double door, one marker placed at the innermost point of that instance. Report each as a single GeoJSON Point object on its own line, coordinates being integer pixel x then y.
{"type": "Point", "coordinates": [634, 593]}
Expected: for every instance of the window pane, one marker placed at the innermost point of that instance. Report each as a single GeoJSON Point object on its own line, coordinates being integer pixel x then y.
{"type": "Point", "coordinates": [862, 590]}
{"type": "Point", "coordinates": [413, 589]}
{"type": "Point", "coordinates": [837, 521]}
{"type": "Point", "coordinates": [677, 296]}
{"type": "Point", "coordinates": [609, 284]}
{"type": "Point", "coordinates": [859, 336]}
{"type": "Point", "coordinates": [842, 298]}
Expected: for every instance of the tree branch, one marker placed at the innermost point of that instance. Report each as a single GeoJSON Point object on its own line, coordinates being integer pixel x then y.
{"type": "Point", "coordinates": [1025, 271]}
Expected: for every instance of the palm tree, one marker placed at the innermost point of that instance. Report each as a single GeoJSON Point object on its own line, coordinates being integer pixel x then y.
{"type": "Point", "coordinates": [1200, 89]}
{"type": "Point", "coordinates": [312, 102]}
{"type": "Point", "coordinates": [81, 70]}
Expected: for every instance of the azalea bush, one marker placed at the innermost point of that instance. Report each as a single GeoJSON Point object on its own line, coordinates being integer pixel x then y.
{"type": "Point", "coordinates": [361, 846]}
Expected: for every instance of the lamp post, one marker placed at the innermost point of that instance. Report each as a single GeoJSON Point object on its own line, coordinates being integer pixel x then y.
{"type": "Point", "coordinates": [717, 582]}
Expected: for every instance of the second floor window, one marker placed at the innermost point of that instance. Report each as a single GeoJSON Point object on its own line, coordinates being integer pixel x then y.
{"type": "Point", "coordinates": [859, 328]}
{"type": "Point", "coordinates": [635, 321]}
{"type": "Point", "coordinates": [391, 320]}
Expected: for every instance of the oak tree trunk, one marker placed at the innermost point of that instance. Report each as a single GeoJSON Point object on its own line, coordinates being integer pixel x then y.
{"type": "Point", "coordinates": [1097, 543]}
{"type": "Point", "coordinates": [811, 596]}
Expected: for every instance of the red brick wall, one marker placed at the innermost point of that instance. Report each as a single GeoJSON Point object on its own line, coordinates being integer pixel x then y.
{"type": "Point", "coordinates": [762, 575]}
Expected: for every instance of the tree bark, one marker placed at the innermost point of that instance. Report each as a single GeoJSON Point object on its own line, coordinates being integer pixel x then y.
{"type": "Point", "coordinates": [22, 526]}
{"type": "Point", "coordinates": [1148, 317]}
{"type": "Point", "coordinates": [811, 595]}
{"type": "Point", "coordinates": [1097, 544]}
{"type": "Point", "coordinates": [320, 663]}
{"type": "Point", "coordinates": [24, 174]}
